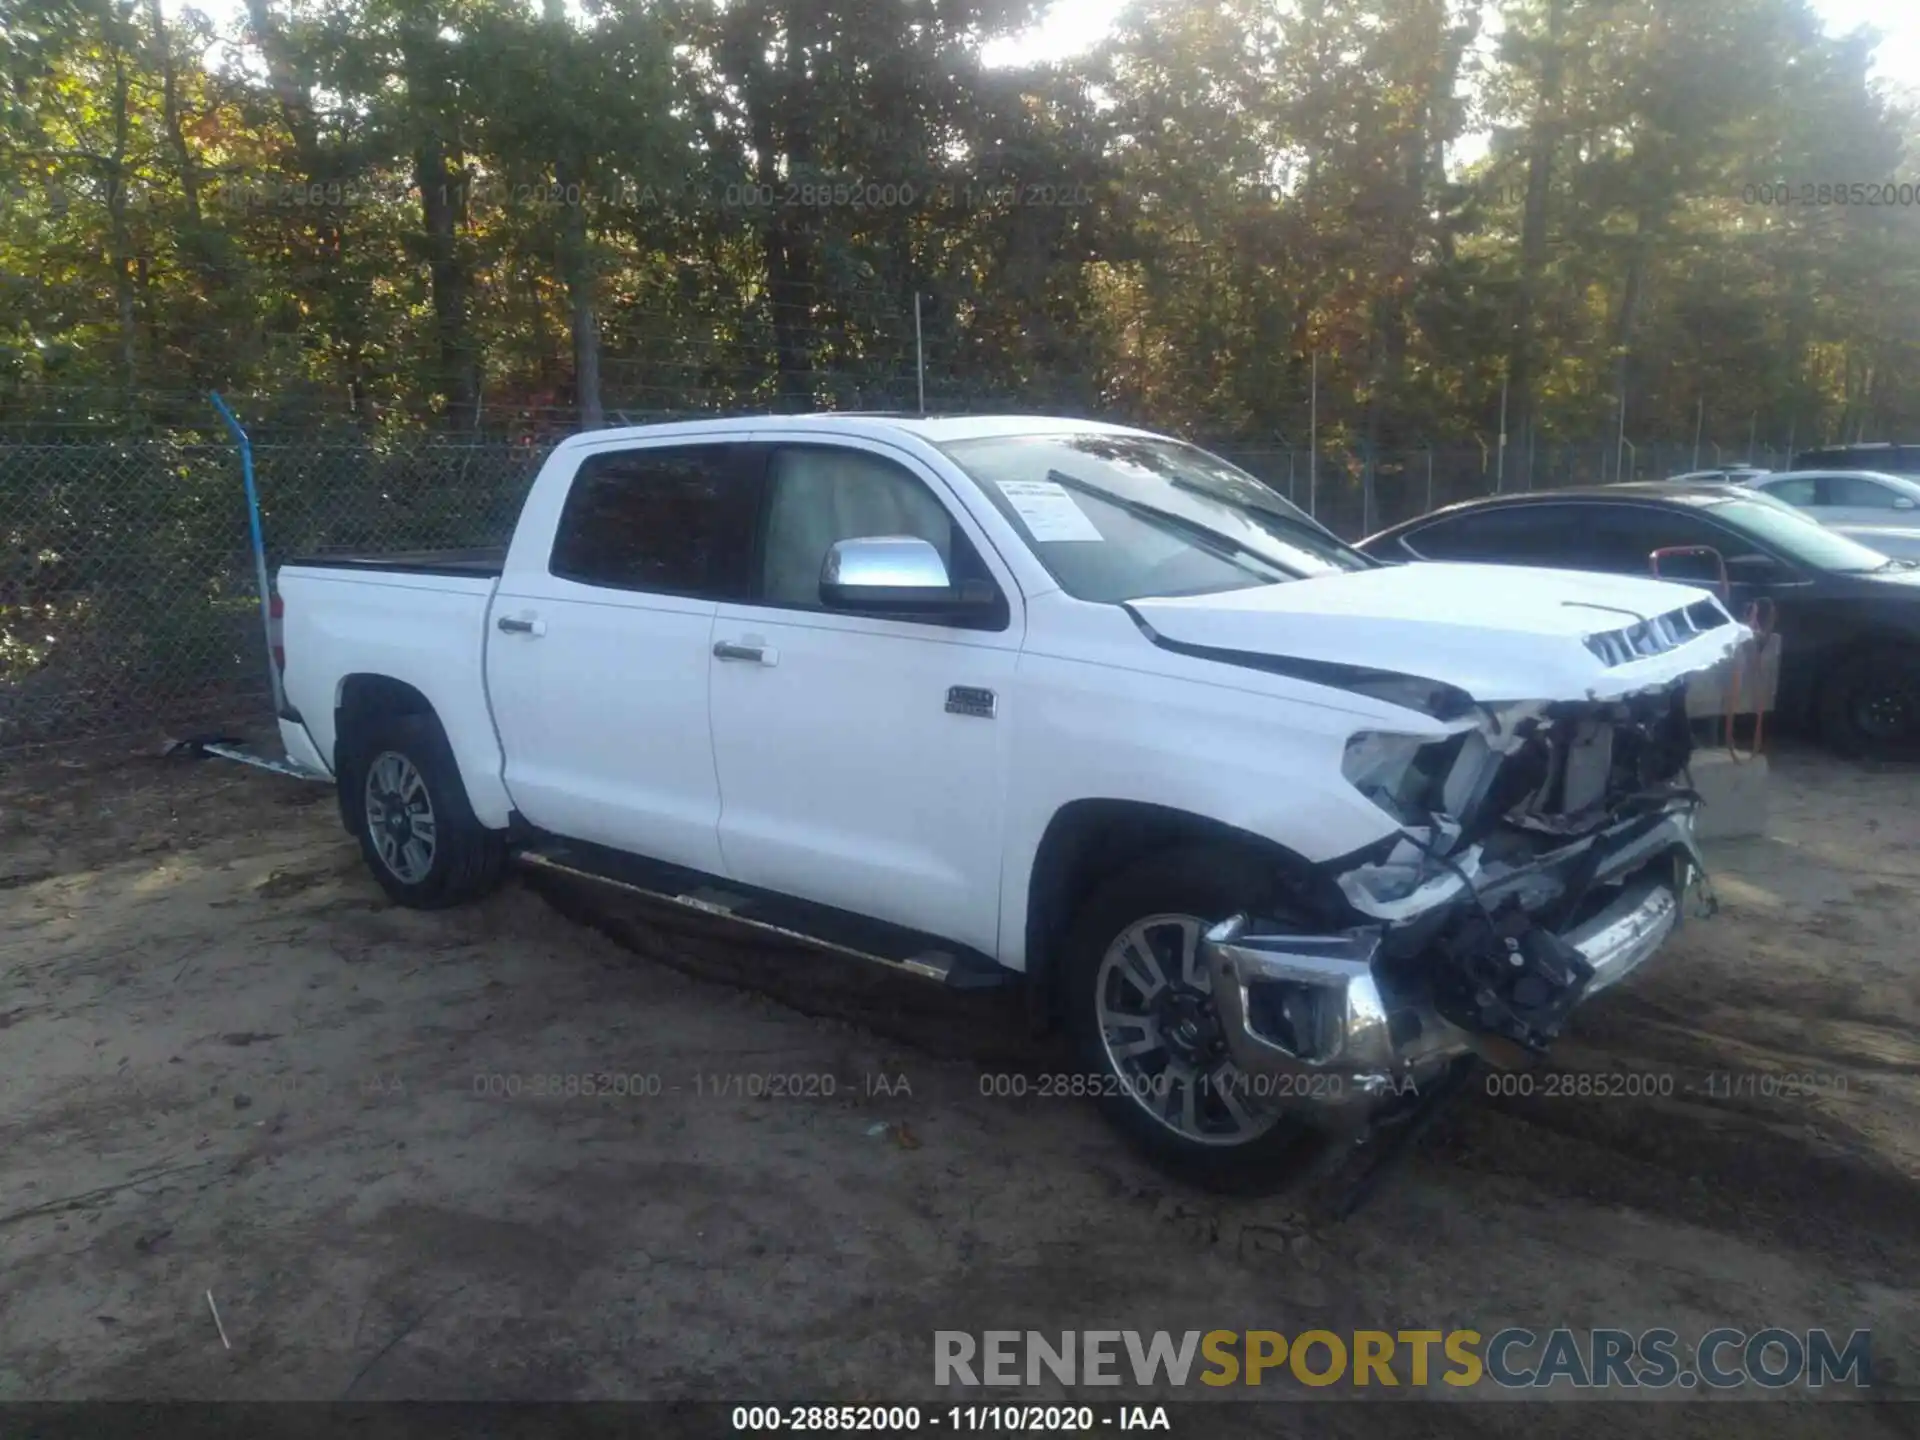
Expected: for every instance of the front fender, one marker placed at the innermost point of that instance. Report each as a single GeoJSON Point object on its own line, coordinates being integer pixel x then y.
{"type": "Point", "coordinates": [1260, 764]}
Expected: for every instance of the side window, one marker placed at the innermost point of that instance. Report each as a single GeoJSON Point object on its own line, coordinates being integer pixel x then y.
{"type": "Point", "coordinates": [1625, 537]}
{"type": "Point", "coordinates": [677, 520]}
{"type": "Point", "coordinates": [1511, 534]}
{"type": "Point", "coordinates": [818, 494]}
{"type": "Point", "coordinates": [1794, 492]}
{"type": "Point", "coordinates": [1851, 490]}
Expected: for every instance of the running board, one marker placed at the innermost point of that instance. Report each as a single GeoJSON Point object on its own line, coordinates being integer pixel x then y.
{"type": "Point", "coordinates": [817, 926]}
{"type": "Point", "coordinates": [225, 748]}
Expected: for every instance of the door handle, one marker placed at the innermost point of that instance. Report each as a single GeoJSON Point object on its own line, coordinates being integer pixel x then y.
{"type": "Point", "coordinates": [513, 625]}
{"type": "Point", "coordinates": [758, 654]}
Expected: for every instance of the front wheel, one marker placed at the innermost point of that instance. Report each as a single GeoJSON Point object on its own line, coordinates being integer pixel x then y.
{"type": "Point", "coordinates": [1141, 1014]}
{"type": "Point", "coordinates": [402, 796]}
{"type": "Point", "coordinates": [1870, 705]}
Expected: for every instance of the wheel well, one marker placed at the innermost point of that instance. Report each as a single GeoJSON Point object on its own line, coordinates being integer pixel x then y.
{"type": "Point", "coordinates": [364, 698]}
{"type": "Point", "coordinates": [1088, 840]}
{"type": "Point", "coordinates": [1855, 649]}
{"type": "Point", "coordinates": [1879, 647]}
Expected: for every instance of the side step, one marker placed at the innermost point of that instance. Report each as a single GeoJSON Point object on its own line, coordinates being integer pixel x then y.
{"type": "Point", "coordinates": [818, 926]}
{"type": "Point", "coordinates": [227, 747]}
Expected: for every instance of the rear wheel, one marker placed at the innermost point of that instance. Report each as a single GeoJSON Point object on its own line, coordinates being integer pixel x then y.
{"type": "Point", "coordinates": [1870, 704]}
{"type": "Point", "coordinates": [401, 794]}
{"type": "Point", "coordinates": [1144, 1026]}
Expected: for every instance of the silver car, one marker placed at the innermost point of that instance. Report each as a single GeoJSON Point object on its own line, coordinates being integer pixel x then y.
{"type": "Point", "coordinates": [1877, 509]}
{"type": "Point", "coordinates": [1724, 475]}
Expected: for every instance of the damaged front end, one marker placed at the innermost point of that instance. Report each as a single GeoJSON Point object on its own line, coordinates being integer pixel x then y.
{"type": "Point", "coordinates": [1544, 851]}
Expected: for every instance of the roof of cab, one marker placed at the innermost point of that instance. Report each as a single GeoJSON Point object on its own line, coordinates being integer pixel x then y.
{"type": "Point", "coordinates": [937, 429]}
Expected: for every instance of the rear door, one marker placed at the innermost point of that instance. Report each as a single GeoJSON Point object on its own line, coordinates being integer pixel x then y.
{"type": "Point", "coordinates": [598, 664]}
{"type": "Point", "coordinates": [1858, 500]}
{"type": "Point", "coordinates": [861, 757]}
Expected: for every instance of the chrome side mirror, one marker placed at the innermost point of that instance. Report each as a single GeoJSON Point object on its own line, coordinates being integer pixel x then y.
{"type": "Point", "coordinates": [1901, 502]}
{"type": "Point", "coordinates": [894, 573]}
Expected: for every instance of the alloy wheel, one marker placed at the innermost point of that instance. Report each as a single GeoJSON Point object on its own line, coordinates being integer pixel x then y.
{"type": "Point", "coordinates": [400, 819]}
{"type": "Point", "coordinates": [1162, 1034]}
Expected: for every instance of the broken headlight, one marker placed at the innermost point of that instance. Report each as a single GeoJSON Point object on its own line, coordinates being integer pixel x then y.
{"type": "Point", "coordinates": [1405, 775]}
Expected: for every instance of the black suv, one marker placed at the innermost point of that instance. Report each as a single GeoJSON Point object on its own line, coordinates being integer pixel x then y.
{"type": "Point", "coordinates": [1886, 457]}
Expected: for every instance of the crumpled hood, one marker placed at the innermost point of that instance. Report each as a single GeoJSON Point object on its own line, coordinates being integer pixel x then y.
{"type": "Point", "coordinates": [1498, 632]}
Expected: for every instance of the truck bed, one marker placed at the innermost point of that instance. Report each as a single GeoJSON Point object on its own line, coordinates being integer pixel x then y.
{"type": "Point", "coordinates": [484, 563]}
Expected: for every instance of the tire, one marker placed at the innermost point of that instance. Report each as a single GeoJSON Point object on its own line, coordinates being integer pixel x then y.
{"type": "Point", "coordinates": [450, 859]}
{"type": "Point", "coordinates": [1869, 705]}
{"type": "Point", "coordinates": [1165, 892]}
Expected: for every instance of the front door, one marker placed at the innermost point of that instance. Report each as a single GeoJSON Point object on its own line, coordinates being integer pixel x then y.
{"type": "Point", "coordinates": [861, 758]}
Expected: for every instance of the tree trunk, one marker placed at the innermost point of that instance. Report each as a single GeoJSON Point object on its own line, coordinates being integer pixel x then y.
{"type": "Point", "coordinates": [1407, 214]}
{"type": "Point", "coordinates": [576, 247]}
{"type": "Point", "coordinates": [326, 234]}
{"type": "Point", "coordinates": [120, 242]}
{"type": "Point", "coordinates": [1650, 219]}
{"type": "Point", "coordinates": [787, 286]}
{"type": "Point", "coordinates": [170, 110]}
{"type": "Point", "coordinates": [789, 245]}
{"type": "Point", "coordinates": [441, 203]}
{"type": "Point", "coordinates": [1628, 317]}
{"type": "Point", "coordinates": [1542, 140]}
{"type": "Point", "coordinates": [440, 179]}
{"type": "Point", "coordinates": [585, 323]}
{"type": "Point", "coordinates": [296, 108]}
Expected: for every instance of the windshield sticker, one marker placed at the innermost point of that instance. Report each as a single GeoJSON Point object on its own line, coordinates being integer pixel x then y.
{"type": "Point", "coordinates": [1048, 510]}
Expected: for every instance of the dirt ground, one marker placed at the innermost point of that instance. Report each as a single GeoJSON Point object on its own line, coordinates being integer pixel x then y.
{"type": "Point", "coordinates": [227, 1064]}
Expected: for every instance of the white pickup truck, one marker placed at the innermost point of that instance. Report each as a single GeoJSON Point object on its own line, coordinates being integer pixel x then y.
{"type": "Point", "coordinates": [1281, 834]}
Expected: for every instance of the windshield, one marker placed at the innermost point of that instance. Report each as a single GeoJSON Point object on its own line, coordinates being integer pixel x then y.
{"type": "Point", "coordinates": [1121, 517]}
{"type": "Point", "coordinates": [1795, 536]}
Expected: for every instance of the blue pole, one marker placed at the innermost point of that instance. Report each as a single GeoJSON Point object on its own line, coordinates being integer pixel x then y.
{"type": "Point", "coordinates": [259, 543]}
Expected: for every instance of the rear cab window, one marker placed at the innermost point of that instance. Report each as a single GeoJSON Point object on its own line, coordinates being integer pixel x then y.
{"type": "Point", "coordinates": [667, 520]}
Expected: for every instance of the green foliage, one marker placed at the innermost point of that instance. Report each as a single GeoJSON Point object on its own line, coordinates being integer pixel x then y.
{"type": "Point", "coordinates": [456, 213]}
{"type": "Point", "coordinates": [382, 225]}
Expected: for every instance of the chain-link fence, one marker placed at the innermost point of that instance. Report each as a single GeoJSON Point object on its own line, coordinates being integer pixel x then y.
{"type": "Point", "coordinates": [127, 602]}
{"type": "Point", "coordinates": [127, 597]}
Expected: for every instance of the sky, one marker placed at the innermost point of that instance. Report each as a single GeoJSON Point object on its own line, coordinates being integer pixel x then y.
{"type": "Point", "coordinates": [1073, 25]}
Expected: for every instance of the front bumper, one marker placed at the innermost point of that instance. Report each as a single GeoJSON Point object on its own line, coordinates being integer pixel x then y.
{"type": "Point", "coordinates": [1340, 1029]}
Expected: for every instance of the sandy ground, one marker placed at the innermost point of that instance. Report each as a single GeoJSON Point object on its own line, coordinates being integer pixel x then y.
{"type": "Point", "coordinates": [227, 1064]}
